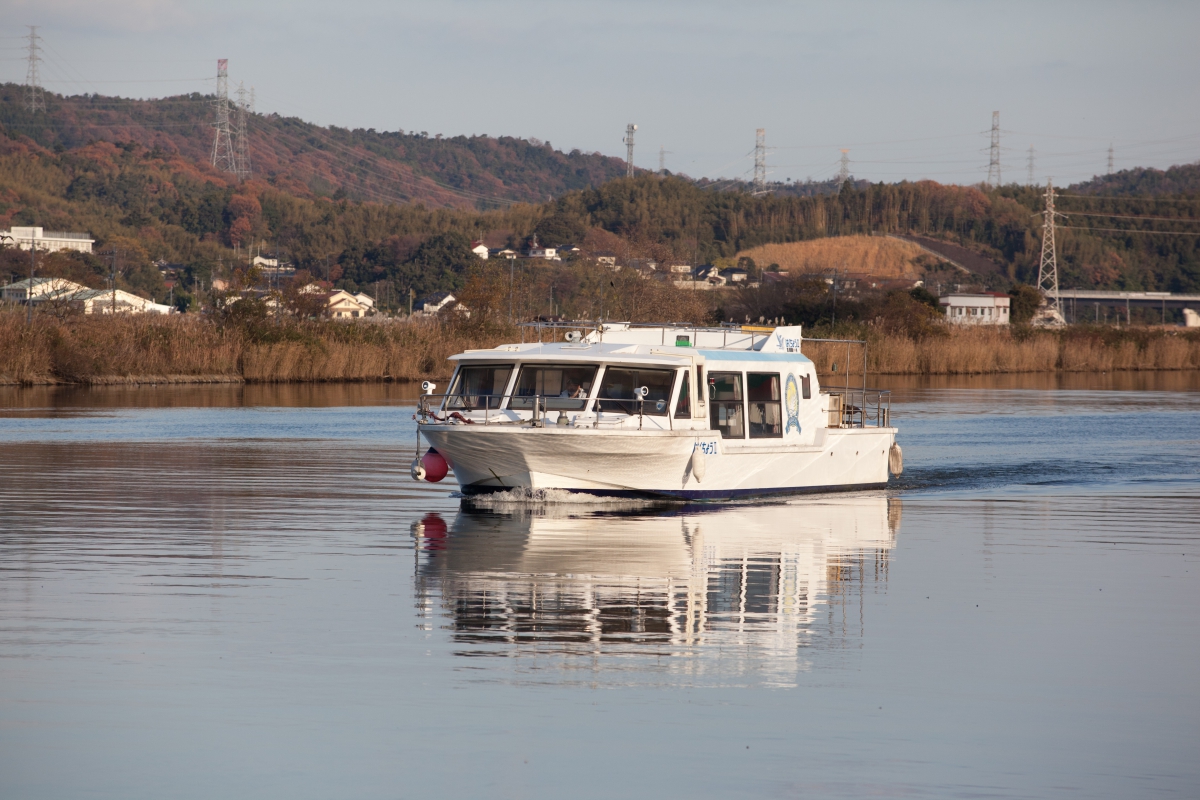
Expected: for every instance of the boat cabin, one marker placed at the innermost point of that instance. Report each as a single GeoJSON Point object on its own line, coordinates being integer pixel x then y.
{"type": "Point", "coordinates": [747, 383]}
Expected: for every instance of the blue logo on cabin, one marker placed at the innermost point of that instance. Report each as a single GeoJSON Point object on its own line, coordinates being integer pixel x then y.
{"type": "Point", "coordinates": [791, 396]}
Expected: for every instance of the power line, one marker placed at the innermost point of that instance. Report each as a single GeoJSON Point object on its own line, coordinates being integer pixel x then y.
{"type": "Point", "coordinates": [1127, 230]}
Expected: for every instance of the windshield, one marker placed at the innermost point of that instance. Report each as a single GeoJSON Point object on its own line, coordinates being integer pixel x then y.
{"type": "Point", "coordinates": [619, 384]}
{"type": "Point", "coordinates": [562, 386]}
{"type": "Point", "coordinates": [479, 386]}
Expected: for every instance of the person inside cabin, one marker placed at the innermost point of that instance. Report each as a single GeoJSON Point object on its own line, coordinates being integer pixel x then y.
{"type": "Point", "coordinates": [572, 390]}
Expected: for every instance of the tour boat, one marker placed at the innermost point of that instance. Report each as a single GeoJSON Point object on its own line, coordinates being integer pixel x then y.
{"type": "Point", "coordinates": [668, 411]}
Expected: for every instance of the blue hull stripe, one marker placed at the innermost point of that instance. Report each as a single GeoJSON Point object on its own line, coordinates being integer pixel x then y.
{"type": "Point", "coordinates": [685, 494]}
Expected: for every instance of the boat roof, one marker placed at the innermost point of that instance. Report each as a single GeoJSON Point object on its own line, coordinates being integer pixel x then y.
{"type": "Point", "coordinates": [635, 343]}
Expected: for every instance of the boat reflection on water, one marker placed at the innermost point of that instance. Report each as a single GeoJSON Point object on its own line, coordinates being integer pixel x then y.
{"type": "Point", "coordinates": [714, 592]}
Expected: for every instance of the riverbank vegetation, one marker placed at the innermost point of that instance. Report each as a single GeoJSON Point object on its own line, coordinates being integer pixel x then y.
{"type": "Point", "coordinates": [101, 350]}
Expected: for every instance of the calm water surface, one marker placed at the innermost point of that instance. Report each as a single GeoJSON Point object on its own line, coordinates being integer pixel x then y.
{"type": "Point", "coordinates": [239, 592]}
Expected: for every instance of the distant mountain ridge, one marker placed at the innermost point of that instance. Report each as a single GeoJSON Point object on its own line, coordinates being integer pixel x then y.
{"type": "Point", "coordinates": [308, 160]}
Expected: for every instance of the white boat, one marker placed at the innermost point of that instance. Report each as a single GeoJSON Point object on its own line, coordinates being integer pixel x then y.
{"type": "Point", "coordinates": [613, 409]}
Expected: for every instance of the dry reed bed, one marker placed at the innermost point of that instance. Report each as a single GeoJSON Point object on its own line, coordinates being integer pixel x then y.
{"type": "Point", "coordinates": [107, 350]}
{"type": "Point", "coordinates": [974, 351]}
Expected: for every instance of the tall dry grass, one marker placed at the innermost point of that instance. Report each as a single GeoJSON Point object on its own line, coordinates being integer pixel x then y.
{"type": "Point", "coordinates": [977, 351]}
{"type": "Point", "coordinates": [144, 349]}
{"type": "Point", "coordinates": [880, 256]}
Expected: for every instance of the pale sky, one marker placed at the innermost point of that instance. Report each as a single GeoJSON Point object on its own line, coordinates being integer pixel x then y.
{"type": "Point", "coordinates": [909, 88]}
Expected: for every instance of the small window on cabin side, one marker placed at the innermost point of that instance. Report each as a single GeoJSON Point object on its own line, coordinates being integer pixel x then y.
{"type": "Point", "coordinates": [700, 384]}
{"type": "Point", "coordinates": [763, 407]}
{"type": "Point", "coordinates": [806, 388]}
{"type": "Point", "coordinates": [683, 408]}
{"type": "Point", "coordinates": [725, 399]}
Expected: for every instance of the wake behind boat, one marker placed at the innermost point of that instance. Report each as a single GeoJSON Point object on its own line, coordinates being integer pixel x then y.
{"type": "Point", "coordinates": [654, 410]}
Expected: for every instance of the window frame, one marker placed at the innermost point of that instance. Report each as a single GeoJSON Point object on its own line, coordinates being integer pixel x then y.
{"type": "Point", "coordinates": [448, 400]}
{"type": "Point", "coordinates": [776, 403]}
{"type": "Point", "coordinates": [714, 405]}
{"type": "Point", "coordinates": [648, 408]}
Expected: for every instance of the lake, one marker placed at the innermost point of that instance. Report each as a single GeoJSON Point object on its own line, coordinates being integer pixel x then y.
{"type": "Point", "coordinates": [239, 592]}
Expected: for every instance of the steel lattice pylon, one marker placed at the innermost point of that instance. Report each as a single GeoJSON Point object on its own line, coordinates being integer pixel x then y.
{"type": "Point", "coordinates": [629, 131]}
{"type": "Point", "coordinates": [222, 152]}
{"type": "Point", "coordinates": [34, 100]}
{"type": "Point", "coordinates": [760, 161]}
{"type": "Point", "coordinates": [994, 161]}
{"type": "Point", "coordinates": [1050, 313]}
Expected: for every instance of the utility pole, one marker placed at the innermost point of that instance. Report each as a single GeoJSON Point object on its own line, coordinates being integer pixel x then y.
{"type": "Point", "coordinates": [29, 291]}
{"type": "Point", "coordinates": [993, 178]}
{"type": "Point", "coordinates": [1110, 159]}
{"type": "Point", "coordinates": [1050, 314]}
{"type": "Point", "coordinates": [222, 152]}
{"type": "Point", "coordinates": [629, 131]}
{"type": "Point", "coordinates": [1029, 181]}
{"type": "Point", "coordinates": [241, 142]}
{"type": "Point", "coordinates": [34, 101]}
{"type": "Point", "coordinates": [760, 161]}
{"type": "Point", "coordinates": [844, 171]}
{"type": "Point", "coordinates": [512, 260]}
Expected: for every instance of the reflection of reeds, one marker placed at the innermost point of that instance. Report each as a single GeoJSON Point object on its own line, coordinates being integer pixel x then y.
{"type": "Point", "coordinates": [142, 349]}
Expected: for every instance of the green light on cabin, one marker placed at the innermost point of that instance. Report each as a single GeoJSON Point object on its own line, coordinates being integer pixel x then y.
{"type": "Point", "coordinates": [683, 340]}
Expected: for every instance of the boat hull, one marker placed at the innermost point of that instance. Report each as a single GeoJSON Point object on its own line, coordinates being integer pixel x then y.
{"type": "Point", "coordinates": [659, 463]}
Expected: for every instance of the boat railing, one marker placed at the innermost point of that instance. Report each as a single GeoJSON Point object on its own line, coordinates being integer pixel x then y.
{"type": "Point", "coordinates": [860, 408]}
{"type": "Point", "coordinates": [442, 408]}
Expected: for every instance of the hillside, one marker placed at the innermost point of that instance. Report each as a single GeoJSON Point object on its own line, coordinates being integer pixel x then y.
{"type": "Point", "coordinates": [1143, 181]}
{"type": "Point", "coordinates": [307, 160]}
{"type": "Point", "coordinates": [877, 256]}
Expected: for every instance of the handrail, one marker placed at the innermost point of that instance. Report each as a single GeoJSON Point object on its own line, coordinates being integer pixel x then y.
{"type": "Point", "coordinates": [860, 408]}
{"type": "Point", "coordinates": [538, 406]}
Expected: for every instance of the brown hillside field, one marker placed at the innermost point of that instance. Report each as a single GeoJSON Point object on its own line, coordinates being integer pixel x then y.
{"type": "Point", "coordinates": [877, 256]}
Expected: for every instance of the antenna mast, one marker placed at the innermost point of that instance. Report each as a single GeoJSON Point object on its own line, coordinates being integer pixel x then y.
{"type": "Point", "coordinates": [760, 161]}
{"type": "Point", "coordinates": [994, 164]}
{"type": "Point", "coordinates": [33, 82]}
{"type": "Point", "coordinates": [629, 130]}
{"type": "Point", "coordinates": [222, 153]}
{"type": "Point", "coordinates": [662, 160]}
{"type": "Point", "coordinates": [1050, 313]}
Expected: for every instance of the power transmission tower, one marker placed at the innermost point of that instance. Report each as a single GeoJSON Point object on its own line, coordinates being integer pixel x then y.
{"type": "Point", "coordinates": [241, 140]}
{"type": "Point", "coordinates": [222, 153]}
{"type": "Point", "coordinates": [760, 161]}
{"type": "Point", "coordinates": [629, 130]}
{"type": "Point", "coordinates": [1029, 181]}
{"type": "Point", "coordinates": [1050, 313]}
{"type": "Point", "coordinates": [33, 83]}
{"type": "Point", "coordinates": [662, 160]}
{"type": "Point", "coordinates": [994, 163]}
{"type": "Point", "coordinates": [1110, 159]}
{"type": "Point", "coordinates": [844, 172]}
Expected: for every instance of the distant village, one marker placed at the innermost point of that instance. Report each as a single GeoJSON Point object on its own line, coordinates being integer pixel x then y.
{"type": "Point", "coordinates": [967, 308]}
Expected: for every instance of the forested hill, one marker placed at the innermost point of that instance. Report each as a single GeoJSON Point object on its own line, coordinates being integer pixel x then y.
{"type": "Point", "coordinates": [1143, 181]}
{"type": "Point", "coordinates": [308, 160]}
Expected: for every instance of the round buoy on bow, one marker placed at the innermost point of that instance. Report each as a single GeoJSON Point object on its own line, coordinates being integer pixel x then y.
{"type": "Point", "coordinates": [435, 467]}
{"type": "Point", "coordinates": [698, 464]}
{"type": "Point", "coordinates": [416, 470]}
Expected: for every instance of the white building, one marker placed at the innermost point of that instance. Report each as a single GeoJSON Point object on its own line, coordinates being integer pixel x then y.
{"type": "Point", "coordinates": [106, 301]}
{"type": "Point", "coordinates": [480, 249]}
{"type": "Point", "coordinates": [540, 251]}
{"type": "Point", "coordinates": [43, 288]}
{"type": "Point", "coordinates": [26, 238]}
{"type": "Point", "coordinates": [988, 308]}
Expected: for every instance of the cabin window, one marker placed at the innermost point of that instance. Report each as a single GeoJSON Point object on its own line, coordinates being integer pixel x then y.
{"type": "Point", "coordinates": [617, 390]}
{"type": "Point", "coordinates": [480, 386]}
{"type": "Point", "coordinates": [683, 408]}
{"type": "Point", "coordinates": [806, 387]}
{"type": "Point", "coordinates": [700, 384]}
{"type": "Point", "coordinates": [725, 404]}
{"type": "Point", "coordinates": [564, 387]}
{"type": "Point", "coordinates": [763, 409]}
